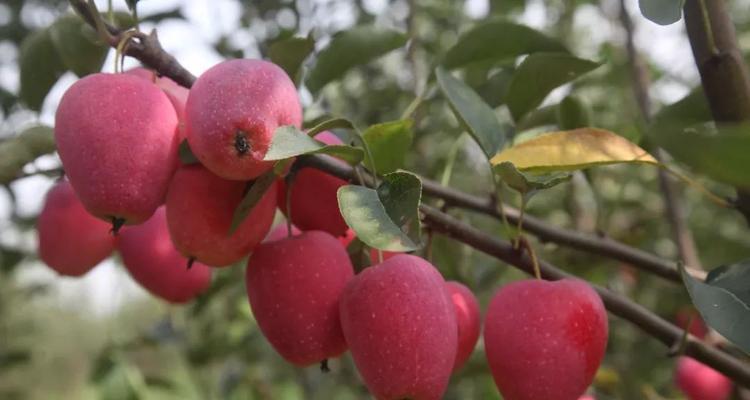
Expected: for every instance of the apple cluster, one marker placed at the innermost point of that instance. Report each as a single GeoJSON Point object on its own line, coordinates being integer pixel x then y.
{"type": "Point", "coordinates": [407, 328]}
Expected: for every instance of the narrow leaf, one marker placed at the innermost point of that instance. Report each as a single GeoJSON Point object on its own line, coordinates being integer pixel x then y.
{"type": "Point", "coordinates": [290, 54]}
{"type": "Point", "coordinates": [498, 40]}
{"type": "Point", "coordinates": [473, 113]}
{"type": "Point", "coordinates": [724, 301]}
{"type": "Point", "coordinates": [386, 218]}
{"type": "Point", "coordinates": [572, 150]}
{"type": "Point", "coordinates": [388, 143]}
{"type": "Point", "coordinates": [333, 123]}
{"type": "Point", "coordinates": [538, 75]}
{"type": "Point", "coordinates": [348, 49]}
{"type": "Point", "coordinates": [40, 66]}
{"type": "Point", "coordinates": [259, 187]}
{"type": "Point", "coordinates": [78, 45]}
{"type": "Point", "coordinates": [573, 113]}
{"type": "Point", "coordinates": [662, 12]}
{"type": "Point", "coordinates": [288, 141]}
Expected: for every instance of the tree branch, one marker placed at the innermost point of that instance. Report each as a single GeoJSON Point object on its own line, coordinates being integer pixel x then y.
{"type": "Point", "coordinates": [683, 238]}
{"type": "Point", "coordinates": [724, 74]}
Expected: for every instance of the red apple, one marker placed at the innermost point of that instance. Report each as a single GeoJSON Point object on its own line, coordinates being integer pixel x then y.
{"type": "Point", "coordinates": [177, 94]}
{"type": "Point", "coordinates": [117, 138]}
{"type": "Point", "coordinates": [400, 324]}
{"type": "Point", "coordinates": [468, 320]}
{"type": "Point", "coordinates": [151, 259]}
{"type": "Point", "coordinates": [294, 286]}
{"type": "Point", "coordinates": [545, 340]}
{"type": "Point", "coordinates": [232, 113]}
{"type": "Point", "coordinates": [701, 382]}
{"type": "Point", "coordinates": [71, 241]}
{"type": "Point", "coordinates": [200, 206]}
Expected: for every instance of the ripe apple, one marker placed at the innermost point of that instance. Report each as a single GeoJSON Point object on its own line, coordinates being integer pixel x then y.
{"type": "Point", "coordinates": [71, 241]}
{"type": "Point", "coordinates": [468, 320]}
{"type": "Point", "coordinates": [117, 137]}
{"type": "Point", "coordinates": [545, 340]}
{"type": "Point", "coordinates": [232, 112]}
{"type": "Point", "coordinates": [400, 324]}
{"type": "Point", "coordinates": [294, 285]}
{"type": "Point", "coordinates": [701, 382]}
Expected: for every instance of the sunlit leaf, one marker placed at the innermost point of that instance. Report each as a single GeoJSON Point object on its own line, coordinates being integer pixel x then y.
{"type": "Point", "coordinates": [723, 301]}
{"type": "Point", "coordinates": [386, 218]}
{"type": "Point", "coordinates": [538, 75]}
{"type": "Point", "coordinates": [572, 150]}
{"type": "Point", "coordinates": [333, 123]}
{"type": "Point", "coordinates": [473, 113]}
{"type": "Point", "coordinates": [350, 48]}
{"type": "Point", "coordinates": [288, 141]}
{"type": "Point", "coordinates": [389, 143]}
{"type": "Point", "coordinates": [497, 40]}
{"type": "Point", "coordinates": [23, 149]}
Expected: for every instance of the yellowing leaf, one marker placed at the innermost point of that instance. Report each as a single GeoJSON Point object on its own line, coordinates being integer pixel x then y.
{"type": "Point", "coordinates": [571, 150]}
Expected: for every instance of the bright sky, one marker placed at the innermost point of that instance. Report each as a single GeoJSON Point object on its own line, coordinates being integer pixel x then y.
{"type": "Point", "coordinates": [105, 288]}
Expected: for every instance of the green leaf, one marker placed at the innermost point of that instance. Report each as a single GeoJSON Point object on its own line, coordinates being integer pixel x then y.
{"type": "Point", "coordinates": [40, 67]}
{"type": "Point", "coordinates": [78, 45]}
{"type": "Point", "coordinates": [572, 113]}
{"type": "Point", "coordinates": [388, 143]}
{"type": "Point", "coordinates": [9, 259]}
{"type": "Point", "coordinates": [538, 75]}
{"type": "Point", "coordinates": [723, 301]}
{"type": "Point", "coordinates": [186, 154]}
{"type": "Point", "coordinates": [257, 189]}
{"type": "Point", "coordinates": [663, 12]}
{"type": "Point", "coordinates": [528, 184]}
{"type": "Point", "coordinates": [691, 110]}
{"type": "Point", "coordinates": [12, 358]}
{"type": "Point", "coordinates": [359, 254]}
{"type": "Point", "coordinates": [288, 141]}
{"type": "Point", "coordinates": [290, 53]}
{"type": "Point", "coordinates": [719, 153]}
{"type": "Point", "coordinates": [348, 49]}
{"type": "Point", "coordinates": [23, 149]}
{"type": "Point", "coordinates": [540, 117]}
{"type": "Point", "coordinates": [474, 114]}
{"type": "Point", "coordinates": [332, 123]}
{"type": "Point", "coordinates": [386, 218]}
{"type": "Point", "coordinates": [498, 40]}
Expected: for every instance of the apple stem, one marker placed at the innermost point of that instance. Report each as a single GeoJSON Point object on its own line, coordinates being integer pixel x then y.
{"type": "Point", "coordinates": [324, 366]}
{"type": "Point", "coordinates": [117, 223]}
{"type": "Point", "coordinates": [289, 179]}
{"type": "Point", "coordinates": [241, 144]}
{"type": "Point", "coordinates": [190, 262]}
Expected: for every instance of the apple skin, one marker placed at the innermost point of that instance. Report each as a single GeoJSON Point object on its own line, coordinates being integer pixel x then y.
{"type": "Point", "coordinates": [313, 200]}
{"type": "Point", "coordinates": [177, 94]}
{"type": "Point", "coordinates": [701, 382]}
{"type": "Point", "coordinates": [468, 320]}
{"type": "Point", "coordinates": [294, 286]}
{"type": "Point", "coordinates": [71, 241]}
{"type": "Point", "coordinates": [232, 112]}
{"type": "Point", "coordinates": [200, 206]}
{"type": "Point", "coordinates": [117, 137]}
{"type": "Point", "coordinates": [151, 259]}
{"type": "Point", "coordinates": [400, 324]}
{"type": "Point", "coordinates": [545, 340]}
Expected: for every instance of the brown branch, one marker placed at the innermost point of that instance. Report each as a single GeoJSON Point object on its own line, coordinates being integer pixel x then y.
{"type": "Point", "coordinates": [724, 74]}
{"type": "Point", "coordinates": [683, 238]}
{"type": "Point", "coordinates": [646, 320]}
{"type": "Point", "coordinates": [598, 245]}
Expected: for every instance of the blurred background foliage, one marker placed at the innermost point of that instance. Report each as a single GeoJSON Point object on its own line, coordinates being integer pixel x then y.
{"type": "Point", "coordinates": [53, 346]}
